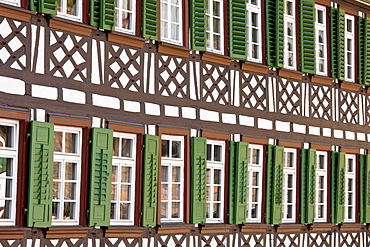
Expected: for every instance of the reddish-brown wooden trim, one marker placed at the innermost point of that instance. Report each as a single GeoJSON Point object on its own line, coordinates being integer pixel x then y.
{"type": "Point", "coordinates": [289, 228]}
{"type": "Point", "coordinates": [349, 10]}
{"type": "Point", "coordinates": [350, 86]}
{"type": "Point", "coordinates": [289, 144]}
{"type": "Point", "coordinates": [226, 29]}
{"type": "Point", "coordinates": [171, 229]}
{"type": "Point", "coordinates": [187, 170]}
{"type": "Point", "coordinates": [70, 26]}
{"type": "Point", "coordinates": [139, 131]}
{"type": "Point", "coordinates": [138, 19]}
{"type": "Point", "coordinates": [320, 147]}
{"type": "Point", "coordinates": [121, 38]}
{"type": "Point", "coordinates": [263, 33]}
{"type": "Point", "coordinates": [253, 140]}
{"type": "Point", "coordinates": [70, 121]}
{"type": "Point", "coordinates": [9, 233]}
{"type": "Point", "coordinates": [254, 228]}
{"type": "Point", "coordinates": [291, 74]}
{"type": "Point", "coordinates": [66, 232]}
{"type": "Point", "coordinates": [215, 136]}
{"type": "Point", "coordinates": [213, 58]}
{"type": "Point", "coordinates": [326, 3]}
{"type": "Point", "coordinates": [215, 228]}
{"type": "Point", "coordinates": [350, 150]}
{"type": "Point", "coordinates": [298, 38]}
{"type": "Point", "coordinates": [17, 14]}
{"type": "Point", "coordinates": [121, 232]}
{"type": "Point", "coordinates": [255, 68]}
{"type": "Point", "coordinates": [322, 227]}
{"type": "Point", "coordinates": [322, 80]}
{"type": "Point", "coordinates": [15, 114]}
{"type": "Point", "coordinates": [86, 12]}
{"type": "Point", "coordinates": [178, 51]}
{"type": "Point", "coordinates": [350, 227]}
{"type": "Point", "coordinates": [185, 23]}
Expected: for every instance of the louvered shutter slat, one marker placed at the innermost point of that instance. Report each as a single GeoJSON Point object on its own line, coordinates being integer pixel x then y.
{"type": "Point", "coordinates": [363, 50]}
{"type": "Point", "coordinates": [241, 180]}
{"type": "Point", "coordinates": [275, 32]}
{"type": "Point", "coordinates": [338, 187]}
{"type": "Point", "coordinates": [150, 180]}
{"type": "Point", "coordinates": [40, 175]}
{"type": "Point", "coordinates": [238, 34]}
{"type": "Point", "coordinates": [308, 185]}
{"type": "Point", "coordinates": [150, 19]}
{"type": "Point", "coordinates": [108, 12]}
{"type": "Point", "coordinates": [232, 162]}
{"type": "Point", "coordinates": [365, 188]}
{"type": "Point", "coordinates": [100, 177]}
{"type": "Point", "coordinates": [198, 180]}
{"type": "Point", "coordinates": [95, 7]}
{"type": "Point", "coordinates": [198, 24]}
{"type": "Point", "coordinates": [337, 19]}
{"type": "Point", "coordinates": [308, 63]}
{"type": "Point", "coordinates": [44, 6]}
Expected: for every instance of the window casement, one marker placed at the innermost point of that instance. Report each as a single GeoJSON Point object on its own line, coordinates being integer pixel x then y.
{"type": "Point", "coordinates": [350, 188]}
{"type": "Point", "coordinates": [8, 170]}
{"type": "Point", "coordinates": [214, 26]}
{"type": "Point", "coordinates": [66, 175]}
{"type": "Point", "coordinates": [321, 186]}
{"type": "Point", "coordinates": [172, 178]}
{"type": "Point", "coordinates": [255, 168]}
{"type": "Point", "coordinates": [123, 179]}
{"type": "Point", "coordinates": [254, 31]}
{"type": "Point", "coordinates": [125, 16]}
{"type": "Point", "coordinates": [321, 40]}
{"type": "Point", "coordinates": [349, 48]}
{"type": "Point", "coordinates": [289, 35]}
{"type": "Point", "coordinates": [12, 2]}
{"type": "Point", "coordinates": [171, 21]}
{"type": "Point", "coordinates": [289, 185]}
{"type": "Point", "coordinates": [70, 9]}
{"type": "Point", "coordinates": [215, 181]}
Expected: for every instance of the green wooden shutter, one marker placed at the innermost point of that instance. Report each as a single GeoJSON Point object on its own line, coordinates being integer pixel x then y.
{"type": "Point", "coordinates": [364, 50]}
{"type": "Point", "coordinates": [274, 188]}
{"type": "Point", "coordinates": [237, 29]}
{"type": "Point", "coordinates": [365, 188]}
{"type": "Point", "coordinates": [150, 19]}
{"type": "Point", "coordinates": [44, 6]}
{"type": "Point", "coordinates": [102, 14]}
{"type": "Point", "coordinates": [40, 174]}
{"type": "Point", "coordinates": [308, 185]}
{"type": "Point", "coordinates": [308, 63]}
{"type": "Point", "coordinates": [337, 187]}
{"type": "Point", "coordinates": [337, 19]}
{"type": "Point", "coordinates": [150, 180]}
{"type": "Point", "coordinates": [232, 175]}
{"type": "Point", "coordinates": [198, 179]}
{"type": "Point", "coordinates": [100, 177]}
{"type": "Point", "coordinates": [198, 24]}
{"type": "Point", "coordinates": [275, 32]}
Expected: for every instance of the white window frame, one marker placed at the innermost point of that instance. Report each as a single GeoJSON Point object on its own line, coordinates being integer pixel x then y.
{"type": "Point", "coordinates": [63, 13]}
{"type": "Point", "coordinates": [62, 158]}
{"type": "Point", "coordinates": [290, 19]}
{"type": "Point", "coordinates": [321, 27]}
{"type": "Point", "coordinates": [349, 49]}
{"type": "Point", "coordinates": [174, 162]}
{"type": "Point", "coordinates": [170, 22]}
{"type": "Point", "coordinates": [11, 153]}
{"type": "Point", "coordinates": [286, 172]}
{"type": "Point", "coordinates": [347, 176]}
{"type": "Point", "coordinates": [254, 8]}
{"type": "Point", "coordinates": [210, 41]}
{"type": "Point", "coordinates": [254, 168]}
{"type": "Point", "coordinates": [119, 162]}
{"type": "Point", "coordinates": [324, 189]}
{"type": "Point", "coordinates": [12, 2]}
{"type": "Point", "coordinates": [219, 165]}
{"type": "Point", "coordinates": [119, 16]}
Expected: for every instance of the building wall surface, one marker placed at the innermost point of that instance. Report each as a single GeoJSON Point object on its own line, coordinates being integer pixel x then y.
{"type": "Point", "coordinates": [79, 77]}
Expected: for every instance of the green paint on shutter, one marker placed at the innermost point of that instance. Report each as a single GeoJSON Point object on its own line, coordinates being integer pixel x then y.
{"type": "Point", "coordinates": [40, 174]}
{"type": "Point", "coordinates": [364, 188]}
{"type": "Point", "coordinates": [308, 185]}
{"type": "Point", "coordinates": [102, 14]}
{"type": "Point", "coordinates": [237, 29]}
{"type": "Point", "coordinates": [100, 177]}
{"type": "Point", "coordinates": [150, 180]}
{"type": "Point", "coordinates": [337, 187]}
{"type": "Point", "coordinates": [232, 181]}
{"type": "Point", "coordinates": [308, 63]}
{"type": "Point", "coordinates": [198, 180]}
{"type": "Point", "coordinates": [275, 32]}
{"type": "Point", "coordinates": [241, 182]}
{"type": "Point", "coordinates": [198, 24]}
{"type": "Point", "coordinates": [274, 188]}
{"type": "Point", "coordinates": [44, 6]}
{"type": "Point", "coordinates": [150, 19]}
{"type": "Point", "coordinates": [364, 50]}
{"type": "Point", "coordinates": [337, 19]}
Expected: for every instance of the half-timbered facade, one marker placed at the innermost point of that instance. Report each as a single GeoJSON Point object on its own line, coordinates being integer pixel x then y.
{"type": "Point", "coordinates": [184, 123]}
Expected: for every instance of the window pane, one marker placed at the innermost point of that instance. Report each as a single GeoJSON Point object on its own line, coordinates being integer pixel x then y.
{"type": "Point", "coordinates": [209, 152]}
{"type": "Point", "coordinates": [70, 171]}
{"type": "Point", "coordinates": [58, 141]}
{"type": "Point", "coordinates": [113, 211]}
{"type": "Point", "coordinates": [71, 7]}
{"type": "Point", "coordinates": [176, 192]}
{"type": "Point", "coordinates": [56, 190]}
{"type": "Point", "coordinates": [69, 209]}
{"type": "Point", "coordinates": [175, 210]}
{"type": "Point", "coordinates": [164, 209]}
{"type": "Point", "coordinates": [6, 136]}
{"type": "Point", "coordinates": [126, 174]}
{"type": "Point", "coordinates": [165, 148]}
{"type": "Point", "coordinates": [176, 173]}
{"type": "Point", "coordinates": [164, 194]}
{"type": "Point", "coordinates": [70, 191]}
{"type": "Point", "coordinates": [125, 193]}
{"type": "Point", "coordinates": [216, 210]}
{"type": "Point", "coordinates": [114, 192]}
{"type": "Point", "coordinates": [176, 149]}
{"type": "Point", "coordinates": [115, 146]}
{"type": "Point", "coordinates": [217, 178]}
{"type": "Point", "coordinates": [217, 193]}
{"type": "Point", "coordinates": [165, 173]}
{"type": "Point", "coordinates": [125, 211]}
{"type": "Point", "coordinates": [56, 173]}
{"type": "Point", "coordinates": [350, 165]}
{"type": "Point", "coordinates": [320, 16]}
{"type": "Point", "coordinates": [126, 147]}
{"type": "Point", "coordinates": [71, 143]}
{"type": "Point", "coordinates": [218, 152]}
{"type": "Point", "coordinates": [255, 179]}
{"type": "Point", "coordinates": [216, 8]}
{"type": "Point", "coordinates": [55, 210]}
{"type": "Point", "coordinates": [114, 173]}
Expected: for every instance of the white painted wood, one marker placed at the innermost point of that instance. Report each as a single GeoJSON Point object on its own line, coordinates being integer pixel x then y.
{"type": "Point", "coordinates": [171, 111]}
{"type": "Point", "coordinates": [246, 121]}
{"type": "Point", "coordinates": [95, 68]}
{"type": "Point", "coordinates": [312, 130]}
{"type": "Point", "coordinates": [40, 115]}
{"type": "Point", "coordinates": [105, 101]}
{"type": "Point", "coordinates": [361, 136]}
{"type": "Point", "coordinates": [44, 92]}
{"type": "Point", "coordinates": [228, 118]}
{"type": "Point", "coordinates": [350, 135]}
{"type": "Point", "coordinates": [152, 109]}
{"type": "Point", "coordinates": [207, 115]}
{"type": "Point", "coordinates": [96, 122]}
{"type": "Point", "coordinates": [338, 134]}
{"type": "Point", "coordinates": [131, 106]}
{"type": "Point", "coordinates": [189, 112]}
{"type": "Point", "coordinates": [282, 126]}
{"type": "Point", "coordinates": [12, 86]}
{"type": "Point", "coordinates": [299, 128]}
{"type": "Point", "coordinates": [264, 124]}
{"type": "Point", "coordinates": [151, 129]}
{"type": "Point", "coordinates": [74, 96]}
{"type": "Point", "coordinates": [326, 132]}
